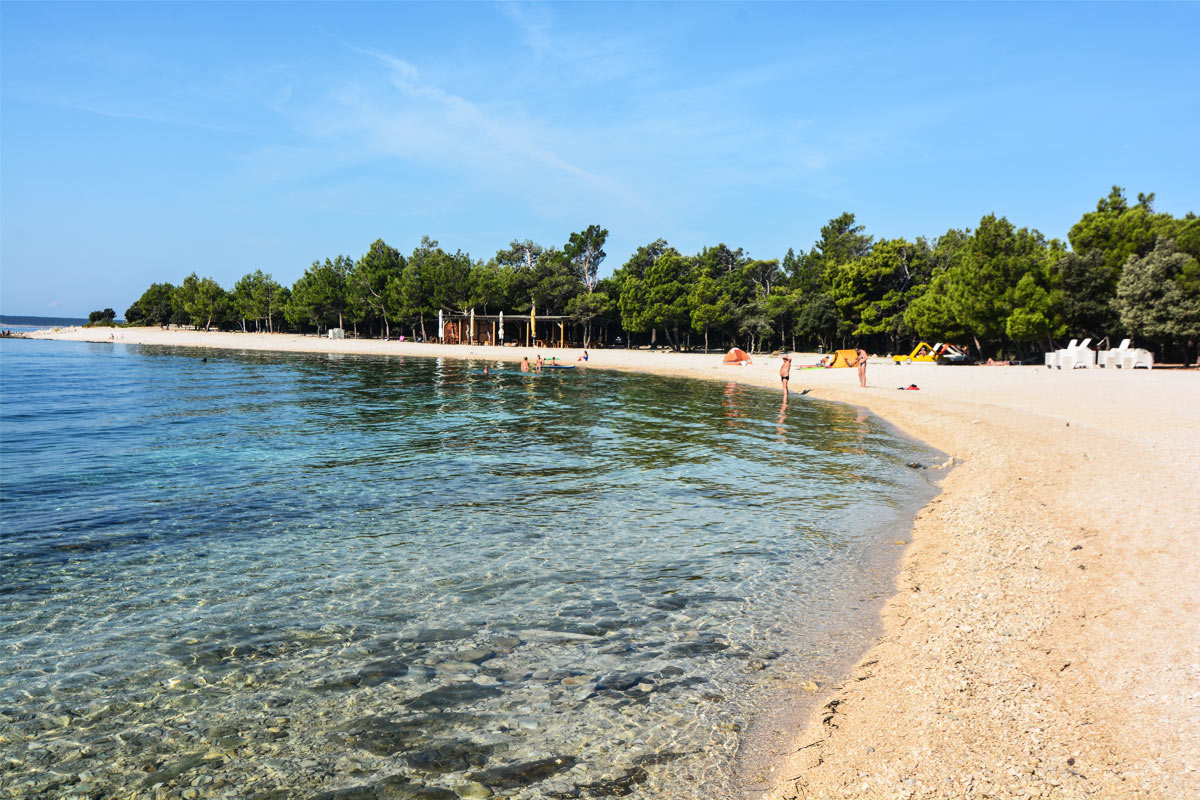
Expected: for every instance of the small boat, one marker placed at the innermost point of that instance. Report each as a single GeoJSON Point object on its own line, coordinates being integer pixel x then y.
{"type": "Point", "coordinates": [558, 366]}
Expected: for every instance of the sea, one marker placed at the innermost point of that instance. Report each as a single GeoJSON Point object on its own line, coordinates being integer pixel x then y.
{"type": "Point", "coordinates": [241, 574]}
{"type": "Point", "coordinates": [16, 324]}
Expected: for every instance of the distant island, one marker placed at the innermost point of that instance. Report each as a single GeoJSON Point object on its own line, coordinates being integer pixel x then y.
{"type": "Point", "coordinates": [42, 322]}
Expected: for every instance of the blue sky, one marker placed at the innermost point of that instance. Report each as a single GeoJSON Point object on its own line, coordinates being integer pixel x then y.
{"type": "Point", "coordinates": [142, 142]}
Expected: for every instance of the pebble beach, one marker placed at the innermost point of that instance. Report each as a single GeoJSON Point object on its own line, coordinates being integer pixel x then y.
{"type": "Point", "coordinates": [1043, 638]}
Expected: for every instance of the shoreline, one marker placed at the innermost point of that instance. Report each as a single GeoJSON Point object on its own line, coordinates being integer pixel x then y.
{"type": "Point", "coordinates": [1042, 637]}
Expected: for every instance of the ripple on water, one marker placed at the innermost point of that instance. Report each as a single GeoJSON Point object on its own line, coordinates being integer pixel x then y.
{"type": "Point", "coordinates": [294, 576]}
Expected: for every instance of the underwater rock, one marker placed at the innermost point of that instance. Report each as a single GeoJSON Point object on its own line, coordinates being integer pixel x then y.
{"type": "Point", "coordinates": [453, 756]}
{"type": "Point", "coordinates": [524, 773]}
{"type": "Point", "coordinates": [454, 695]}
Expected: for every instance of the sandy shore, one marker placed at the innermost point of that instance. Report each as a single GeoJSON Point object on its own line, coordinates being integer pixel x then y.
{"type": "Point", "coordinates": [1044, 638]}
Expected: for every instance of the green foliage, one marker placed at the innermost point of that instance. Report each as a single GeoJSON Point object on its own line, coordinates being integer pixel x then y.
{"type": "Point", "coordinates": [658, 299]}
{"type": "Point", "coordinates": [932, 315]}
{"type": "Point", "coordinates": [585, 252]}
{"type": "Point", "coordinates": [992, 286]}
{"type": "Point", "coordinates": [1032, 315]}
{"type": "Point", "coordinates": [872, 292]}
{"type": "Point", "coordinates": [154, 307]}
{"type": "Point", "coordinates": [842, 241]}
{"type": "Point", "coordinates": [1085, 294]}
{"type": "Point", "coordinates": [321, 296]}
{"type": "Point", "coordinates": [259, 297]}
{"type": "Point", "coordinates": [997, 286]}
{"type": "Point", "coordinates": [102, 318]}
{"type": "Point", "coordinates": [430, 281]}
{"type": "Point", "coordinates": [644, 258]}
{"type": "Point", "coordinates": [491, 287]}
{"type": "Point", "coordinates": [1158, 296]}
{"type": "Point", "coordinates": [589, 307]}
{"type": "Point", "coordinates": [709, 307]}
{"type": "Point", "coordinates": [552, 283]}
{"type": "Point", "coordinates": [202, 300]}
{"type": "Point", "coordinates": [369, 281]}
{"type": "Point", "coordinates": [1119, 231]}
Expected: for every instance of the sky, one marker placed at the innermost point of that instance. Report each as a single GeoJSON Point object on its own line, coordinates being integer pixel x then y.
{"type": "Point", "coordinates": [141, 142]}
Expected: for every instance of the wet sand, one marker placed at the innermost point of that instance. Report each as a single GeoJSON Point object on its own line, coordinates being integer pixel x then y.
{"type": "Point", "coordinates": [1044, 635]}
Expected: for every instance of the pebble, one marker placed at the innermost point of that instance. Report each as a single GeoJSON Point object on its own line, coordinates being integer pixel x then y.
{"type": "Point", "coordinates": [472, 790]}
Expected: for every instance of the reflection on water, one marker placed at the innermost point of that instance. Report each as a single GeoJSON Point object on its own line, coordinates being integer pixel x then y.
{"type": "Point", "coordinates": [281, 576]}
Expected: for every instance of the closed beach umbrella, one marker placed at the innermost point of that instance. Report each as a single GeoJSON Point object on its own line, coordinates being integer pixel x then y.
{"type": "Point", "coordinates": [532, 323]}
{"type": "Point", "coordinates": [439, 324]}
{"type": "Point", "coordinates": [502, 326]}
{"type": "Point", "coordinates": [472, 327]}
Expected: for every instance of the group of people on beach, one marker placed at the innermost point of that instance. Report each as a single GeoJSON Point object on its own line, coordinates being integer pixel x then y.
{"type": "Point", "coordinates": [860, 361]}
{"type": "Point", "coordinates": [537, 365]}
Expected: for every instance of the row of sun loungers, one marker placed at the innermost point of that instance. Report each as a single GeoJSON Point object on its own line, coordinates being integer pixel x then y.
{"type": "Point", "coordinates": [1079, 355]}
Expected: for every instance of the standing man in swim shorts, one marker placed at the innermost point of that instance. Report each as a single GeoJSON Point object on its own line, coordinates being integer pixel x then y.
{"type": "Point", "coordinates": [785, 372]}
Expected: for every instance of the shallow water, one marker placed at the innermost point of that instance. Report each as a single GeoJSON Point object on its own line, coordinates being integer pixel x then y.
{"type": "Point", "coordinates": [283, 575]}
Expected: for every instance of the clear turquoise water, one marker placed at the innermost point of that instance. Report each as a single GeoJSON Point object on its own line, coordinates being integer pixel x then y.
{"type": "Point", "coordinates": [283, 575]}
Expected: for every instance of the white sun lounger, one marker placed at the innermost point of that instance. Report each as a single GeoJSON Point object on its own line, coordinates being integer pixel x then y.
{"type": "Point", "coordinates": [1136, 357]}
{"type": "Point", "coordinates": [1110, 359]}
{"type": "Point", "coordinates": [1078, 357]}
{"type": "Point", "coordinates": [1054, 358]}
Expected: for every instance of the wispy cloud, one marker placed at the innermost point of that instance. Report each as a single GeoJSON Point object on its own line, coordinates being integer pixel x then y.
{"type": "Point", "coordinates": [587, 56]}
{"type": "Point", "coordinates": [397, 113]}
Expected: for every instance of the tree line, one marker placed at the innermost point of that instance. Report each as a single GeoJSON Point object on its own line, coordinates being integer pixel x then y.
{"type": "Point", "coordinates": [999, 290]}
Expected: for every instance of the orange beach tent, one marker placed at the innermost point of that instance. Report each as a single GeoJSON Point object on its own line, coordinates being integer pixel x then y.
{"type": "Point", "coordinates": [737, 355]}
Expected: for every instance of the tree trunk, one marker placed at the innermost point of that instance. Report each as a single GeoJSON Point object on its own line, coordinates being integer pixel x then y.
{"type": "Point", "coordinates": [706, 341]}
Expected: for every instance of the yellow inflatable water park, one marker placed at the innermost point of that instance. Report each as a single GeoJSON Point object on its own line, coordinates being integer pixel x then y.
{"type": "Point", "coordinates": [939, 352]}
